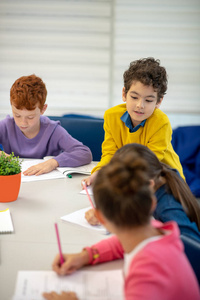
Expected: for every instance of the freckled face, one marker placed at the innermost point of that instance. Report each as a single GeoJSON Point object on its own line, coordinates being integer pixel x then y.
{"type": "Point", "coordinates": [28, 121]}
{"type": "Point", "coordinates": [141, 100]}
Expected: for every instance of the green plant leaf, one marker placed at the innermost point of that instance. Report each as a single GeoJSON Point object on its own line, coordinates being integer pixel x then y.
{"type": "Point", "coordinates": [10, 165]}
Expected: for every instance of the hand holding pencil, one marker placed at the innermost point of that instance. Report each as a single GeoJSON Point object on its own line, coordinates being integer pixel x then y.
{"type": "Point", "coordinates": [72, 262]}
{"type": "Point", "coordinates": [91, 218]}
{"type": "Point", "coordinates": [90, 179]}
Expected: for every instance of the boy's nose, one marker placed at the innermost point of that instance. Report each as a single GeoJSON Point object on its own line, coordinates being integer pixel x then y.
{"type": "Point", "coordinates": [23, 121]}
{"type": "Point", "coordinates": [140, 103]}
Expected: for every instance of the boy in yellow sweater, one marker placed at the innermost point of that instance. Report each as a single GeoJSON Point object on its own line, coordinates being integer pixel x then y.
{"type": "Point", "coordinates": [140, 120]}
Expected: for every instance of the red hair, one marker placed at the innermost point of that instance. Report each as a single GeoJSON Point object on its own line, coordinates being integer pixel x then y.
{"type": "Point", "coordinates": [28, 92]}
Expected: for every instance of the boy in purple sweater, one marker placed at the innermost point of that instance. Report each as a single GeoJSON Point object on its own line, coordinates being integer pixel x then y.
{"type": "Point", "coordinates": [29, 134]}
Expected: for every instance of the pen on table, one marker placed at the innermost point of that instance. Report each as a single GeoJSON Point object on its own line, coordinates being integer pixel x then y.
{"type": "Point", "coordinates": [69, 175]}
{"type": "Point", "coordinates": [85, 188]}
{"type": "Point", "coordinates": [59, 245]}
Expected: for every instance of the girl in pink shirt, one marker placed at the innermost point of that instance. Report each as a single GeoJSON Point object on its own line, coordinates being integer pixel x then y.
{"type": "Point", "coordinates": [155, 266]}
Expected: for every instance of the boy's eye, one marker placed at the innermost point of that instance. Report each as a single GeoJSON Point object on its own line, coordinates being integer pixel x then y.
{"type": "Point", "coordinates": [149, 100]}
{"type": "Point", "coordinates": [30, 118]}
{"type": "Point", "coordinates": [135, 98]}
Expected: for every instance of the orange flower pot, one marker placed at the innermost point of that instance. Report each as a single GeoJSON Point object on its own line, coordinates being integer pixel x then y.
{"type": "Point", "coordinates": [9, 187]}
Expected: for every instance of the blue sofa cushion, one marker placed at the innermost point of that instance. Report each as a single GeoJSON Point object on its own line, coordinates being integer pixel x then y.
{"type": "Point", "coordinates": [89, 131]}
{"type": "Point", "coordinates": [186, 143]}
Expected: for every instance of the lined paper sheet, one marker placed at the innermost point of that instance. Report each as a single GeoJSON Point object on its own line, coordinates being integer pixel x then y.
{"type": "Point", "coordinates": [6, 224]}
{"type": "Point", "coordinates": [78, 218]}
{"type": "Point", "coordinates": [88, 285]}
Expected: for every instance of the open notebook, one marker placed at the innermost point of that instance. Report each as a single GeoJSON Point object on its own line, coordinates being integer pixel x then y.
{"type": "Point", "coordinates": [86, 169]}
{"type": "Point", "coordinates": [55, 174]}
{"type": "Point", "coordinates": [6, 224]}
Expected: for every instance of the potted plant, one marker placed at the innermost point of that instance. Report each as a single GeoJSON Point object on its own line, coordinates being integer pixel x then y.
{"type": "Point", "coordinates": [10, 177]}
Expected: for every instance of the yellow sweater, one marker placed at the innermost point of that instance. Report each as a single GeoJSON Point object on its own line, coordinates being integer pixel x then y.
{"type": "Point", "coordinates": [156, 135]}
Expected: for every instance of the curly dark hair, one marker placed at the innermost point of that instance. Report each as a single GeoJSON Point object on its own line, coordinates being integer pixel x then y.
{"type": "Point", "coordinates": [28, 91]}
{"type": "Point", "coordinates": [149, 72]}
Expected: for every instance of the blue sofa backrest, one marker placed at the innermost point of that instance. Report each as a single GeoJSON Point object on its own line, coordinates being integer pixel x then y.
{"type": "Point", "coordinates": [186, 143]}
{"type": "Point", "coordinates": [89, 131]}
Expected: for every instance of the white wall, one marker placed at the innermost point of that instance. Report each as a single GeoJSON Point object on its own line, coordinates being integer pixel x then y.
{"type": "Point", "coordinates": [81, 48]}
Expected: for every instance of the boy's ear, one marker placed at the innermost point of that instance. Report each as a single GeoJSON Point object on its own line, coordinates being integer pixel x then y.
{"type": "Point", "coordinates": [99, 216]}
{"type": "Point", "coordinates": [123, 94]}
{"type": "Point", "coordinates": [43, 109]}
{"type": "Point", "coordinates": [159, 103]}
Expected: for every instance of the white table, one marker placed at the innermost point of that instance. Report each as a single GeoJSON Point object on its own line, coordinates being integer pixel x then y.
{"type": "Point", "coordinates": [33, 245]}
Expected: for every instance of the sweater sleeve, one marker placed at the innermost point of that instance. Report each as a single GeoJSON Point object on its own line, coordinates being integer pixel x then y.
{"type": "Point", "coordinates": [4, 136]}
{"type": "Point", "coordinates": [109, 146]}
{"type": "Point", "coordinates": [105, 250]}
{"type": "Point", "coordinates": [73, 153]}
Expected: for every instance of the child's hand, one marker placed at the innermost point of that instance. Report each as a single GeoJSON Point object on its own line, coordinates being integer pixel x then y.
{"type": "Point", "coordinates": [72, 262]}
{"type": "Point", "coordinates": [42, 168]}
{"type": "Point", "coordinates": [4, 153]}
{"type": "Point", "coordinates": [89, 180]}
{"type": "Point", "coordinates": [91, 218]}
{"type": "Point", "coordinates": [62, 296]}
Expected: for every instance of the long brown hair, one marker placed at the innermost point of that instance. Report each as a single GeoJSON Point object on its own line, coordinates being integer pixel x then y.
{"type": "Point", "coordinates": [122, 191]}
{"type": "Point", "coordinates": [179, 188]}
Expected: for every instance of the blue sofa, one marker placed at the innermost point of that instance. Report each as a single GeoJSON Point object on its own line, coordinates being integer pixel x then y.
{"type": "Point", "coordinates": [86, 129]}
{"type": "Point", "coordinates": [186, 143]}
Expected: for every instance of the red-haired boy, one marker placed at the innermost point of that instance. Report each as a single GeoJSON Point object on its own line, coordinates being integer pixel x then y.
{"type": "Point", "coordinates": [29, 134]}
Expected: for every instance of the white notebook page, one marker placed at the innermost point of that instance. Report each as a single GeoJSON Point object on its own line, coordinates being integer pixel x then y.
{"type": "Point", "coordinates": [88, 285]}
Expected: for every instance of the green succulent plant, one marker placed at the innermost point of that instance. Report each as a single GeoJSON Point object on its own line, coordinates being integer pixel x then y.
{"type": "Point", "coordinates": [9, 165]}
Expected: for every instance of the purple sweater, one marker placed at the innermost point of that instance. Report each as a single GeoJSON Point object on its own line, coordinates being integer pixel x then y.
{"type": "Point", "coordinates": [52, 140]}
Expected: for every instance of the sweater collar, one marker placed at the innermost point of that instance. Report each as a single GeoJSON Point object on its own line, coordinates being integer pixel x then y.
{"type": "Point", "coordinates": [127, 121]}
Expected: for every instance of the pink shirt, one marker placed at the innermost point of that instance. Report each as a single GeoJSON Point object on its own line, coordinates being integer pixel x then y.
{"type": "Point", "coordinates": [158, 270]}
